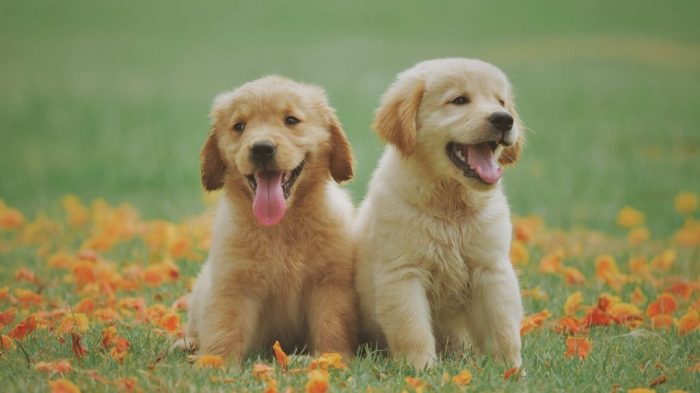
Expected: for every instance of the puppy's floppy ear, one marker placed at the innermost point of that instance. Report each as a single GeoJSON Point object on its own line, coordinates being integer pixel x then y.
{"type": "Point", "coordinates": [341, 161]}
{"type": "Point", "coordinates": [395, 120]}
{"type": "Point", "coordinates": [213, 166]}
{"type": "Point", "coordinates": [511, 154]}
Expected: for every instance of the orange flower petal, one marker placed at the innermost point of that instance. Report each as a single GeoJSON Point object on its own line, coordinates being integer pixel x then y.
{"type": "Point", "coordinates": [24, 328]}
{"type": "Point", "coordinates": [573, 302]}
{"type": "Point", "coordinates": [578, 346]}
{"type": "Point", "coordinates": [463, 378]}
{"type": "Point", "coordinates": [60, 366]}
{"type": "Point", "coordinates": [664, 304]}
{"type": "Point", "coordinates": [317, 383]}
{"type": "Point", "coordinates": [661, 321]}
{"type": "Point", "coordinates": [210, 361]}
{"type": "Point", "coordinates": [262, 371]}
{"type": "Point", "coordinates": [63, 386]}
{"type": "Point", "coordinates": [688, 322]}
{"type": "Point", "coordinates": [280, 355]}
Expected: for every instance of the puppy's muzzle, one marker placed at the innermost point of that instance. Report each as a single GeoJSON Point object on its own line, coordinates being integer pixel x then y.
{"type": "Point", "coordinates": [262, 153]}
{"type": "Point", "coordinates": [503, 122]}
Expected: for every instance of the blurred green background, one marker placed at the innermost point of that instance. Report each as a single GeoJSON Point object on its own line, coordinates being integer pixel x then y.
{"type": "Point", "coordinates": [110, 98]}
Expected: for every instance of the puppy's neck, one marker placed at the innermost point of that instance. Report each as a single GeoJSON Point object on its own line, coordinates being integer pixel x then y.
{"type": "Point", "coordinates": [436, 194]}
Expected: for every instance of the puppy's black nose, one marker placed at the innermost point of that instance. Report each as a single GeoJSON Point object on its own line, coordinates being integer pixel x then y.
{"type": "Point", "coordinates": [502, 121]}
{"type": "Point", "coordinates": [262, 152]}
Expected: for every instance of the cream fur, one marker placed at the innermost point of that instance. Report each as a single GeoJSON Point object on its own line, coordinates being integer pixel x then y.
{"type": "Point", "coordinates": [432, 252]}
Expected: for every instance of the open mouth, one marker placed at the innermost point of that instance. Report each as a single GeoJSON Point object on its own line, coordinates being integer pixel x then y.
{"type": "Point", "coordinates": [476, 161]}
{"type": "Point", "coordinates": [287, 180]}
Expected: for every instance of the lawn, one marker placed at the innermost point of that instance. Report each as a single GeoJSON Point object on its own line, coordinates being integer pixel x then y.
{"type": "Point", "coordinates": [108, 101]}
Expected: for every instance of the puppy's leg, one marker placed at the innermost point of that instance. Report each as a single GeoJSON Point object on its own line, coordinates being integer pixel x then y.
{"type": "Point", "coordinates": [228, 325]}
{"type": "Point", "coordinates": [497, 312]}
{"type": "Point", "coordinates": [332, 315]}
{"type": "Point", "coordinates": [403, 312]}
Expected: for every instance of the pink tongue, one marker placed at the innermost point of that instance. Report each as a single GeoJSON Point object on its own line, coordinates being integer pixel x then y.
{"type": "Point", "coordinates": [480, 158]}
{"type": "Point", "coordinates": [269, 205]}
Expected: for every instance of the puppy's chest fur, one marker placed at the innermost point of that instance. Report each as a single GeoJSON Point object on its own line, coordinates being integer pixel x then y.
{"type": "Point", "coordinates": [455, 251]}
{"type": "Point", "coordinates": [280, 269]}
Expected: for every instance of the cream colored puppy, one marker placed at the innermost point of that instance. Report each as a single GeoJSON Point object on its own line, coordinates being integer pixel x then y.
{"type": "Point", "coordinates": [280, 263]}
{"type": "Point", "coordinates": [434, 232]}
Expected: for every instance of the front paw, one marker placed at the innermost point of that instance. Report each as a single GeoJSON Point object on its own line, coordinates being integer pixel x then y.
{"type": "Point", "coordinates": [509, 350]}
{"type": "Point", "coordinates": [187, 344]}
{"type": "Point", "coordinates": [421, 361]}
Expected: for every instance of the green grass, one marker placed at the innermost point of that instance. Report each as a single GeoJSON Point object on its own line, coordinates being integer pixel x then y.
{"type": "Point", "coordinates": [109, 99]}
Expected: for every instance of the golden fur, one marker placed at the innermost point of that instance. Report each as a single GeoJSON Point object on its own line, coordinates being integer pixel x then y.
{"type": "Point", "coordinates": [432, 253]}
{"type": "Point", "coordinates": [293, 281]}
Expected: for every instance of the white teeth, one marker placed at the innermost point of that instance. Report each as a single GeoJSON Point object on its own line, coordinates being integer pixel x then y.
{"type": "Point", "coordinates": [286, 176]}
{"type": "Point", "coordinates": [460, 155]}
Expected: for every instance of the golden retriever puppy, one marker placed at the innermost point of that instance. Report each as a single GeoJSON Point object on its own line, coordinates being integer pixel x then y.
{"type": "Point", "coordinates": [280, 262]}
{"type": "Point", "coordinates": [434, 232]}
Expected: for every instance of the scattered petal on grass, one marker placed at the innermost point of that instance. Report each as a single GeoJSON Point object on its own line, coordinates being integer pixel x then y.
{"type": "Point", "coordinates": [73, 322]}
{"type": "Point", "coordinates": [606, 270]}
{"type": "Point", "coordinates": [686, 202]}
{"type": "Point", "coordinates": [664, 261]}
{"type": "Point", "coordinates": [637, 296]}
{"type": "Point", "coordinates": [519, 255]}
{"type": "Point", "coordinates": [328, 360]}
{"type": "Point", "coordinates": [10, 219]}
{"type": "Point", "coordinates": [551, 263]}
{"type": "Point", "coordinates": [28, 298]}
{"type": "Point", "coordinates": [688, 322]}
{"type": "Point", "coordinates": [625, 313]}
{"type": "Point", "coordinates": [512, 372]}
{"type": "Point", "coordinates": [63, 386]}
{"type": "Point", "coordinates": [463, 378]}
{"type": "Point", "coordinates": [532, 322]}
{"type": "Point", "coordinates": [629, 217]}
{"type": "Point", "coordinates": [59, 366]}
{"type": "Point", "coordinates": [170, 321]}
{"type": "Point", "coordinates": [24, 328]}
{"type": "Point", "coordinates": [6, 343]}
{"type": "Point", "coordinates": [262, 371]}
{"type": "Point", "coordinates": [281, 357]}
{"type": "Point", "coordinates": [24, 274]}
{"type": "Point", "coordinates": [682, 289]}
{"type": "Point", "coordinates": [573, 276]}
{"type": "Point", "coordinates": [210, 361]}
{"type": "Point", "coordinates": [661, 321]}
{"type": "Point", "coordinates": [568, 325]}
{"type": "Point", "coordinates": [271, 386]}
{"type": "Point", "coordinates": [535, 293]}
{"type": "Point", "coordinates": [417, 384]}
{"type": "Point", "coordinates": [578, 346]}
{"type": "Point", "coordinates": [317, 383]}
{"type": "Point", "coordinates": [658, 381]}
{"type": "Point", "coordinates": [664, 304]}
{"type": "Point", "coordinates": [7, 316]}
{"type": "Point", "coordinates": [638, 236]}
{"type": "Point", "coordinates": [573, 302]}
{"type": "Point", "coordinates": [126, 384]}
{"type": "Point", "coordinates": [77, 345]}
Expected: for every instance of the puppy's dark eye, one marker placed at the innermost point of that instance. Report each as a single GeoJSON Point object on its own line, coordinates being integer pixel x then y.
{"type": "Point", "coordinates": [291, 120]}
{"type": "Point", "coordinates": [503, 103]}
{"type": "Point", "coordinates": [239, 127]}
{"type": "Point", "coordinates": [461, 100]}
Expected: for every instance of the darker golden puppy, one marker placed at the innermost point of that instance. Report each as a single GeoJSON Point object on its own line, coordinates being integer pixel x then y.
{"type": "Point", "coordinates": [280, 263]}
